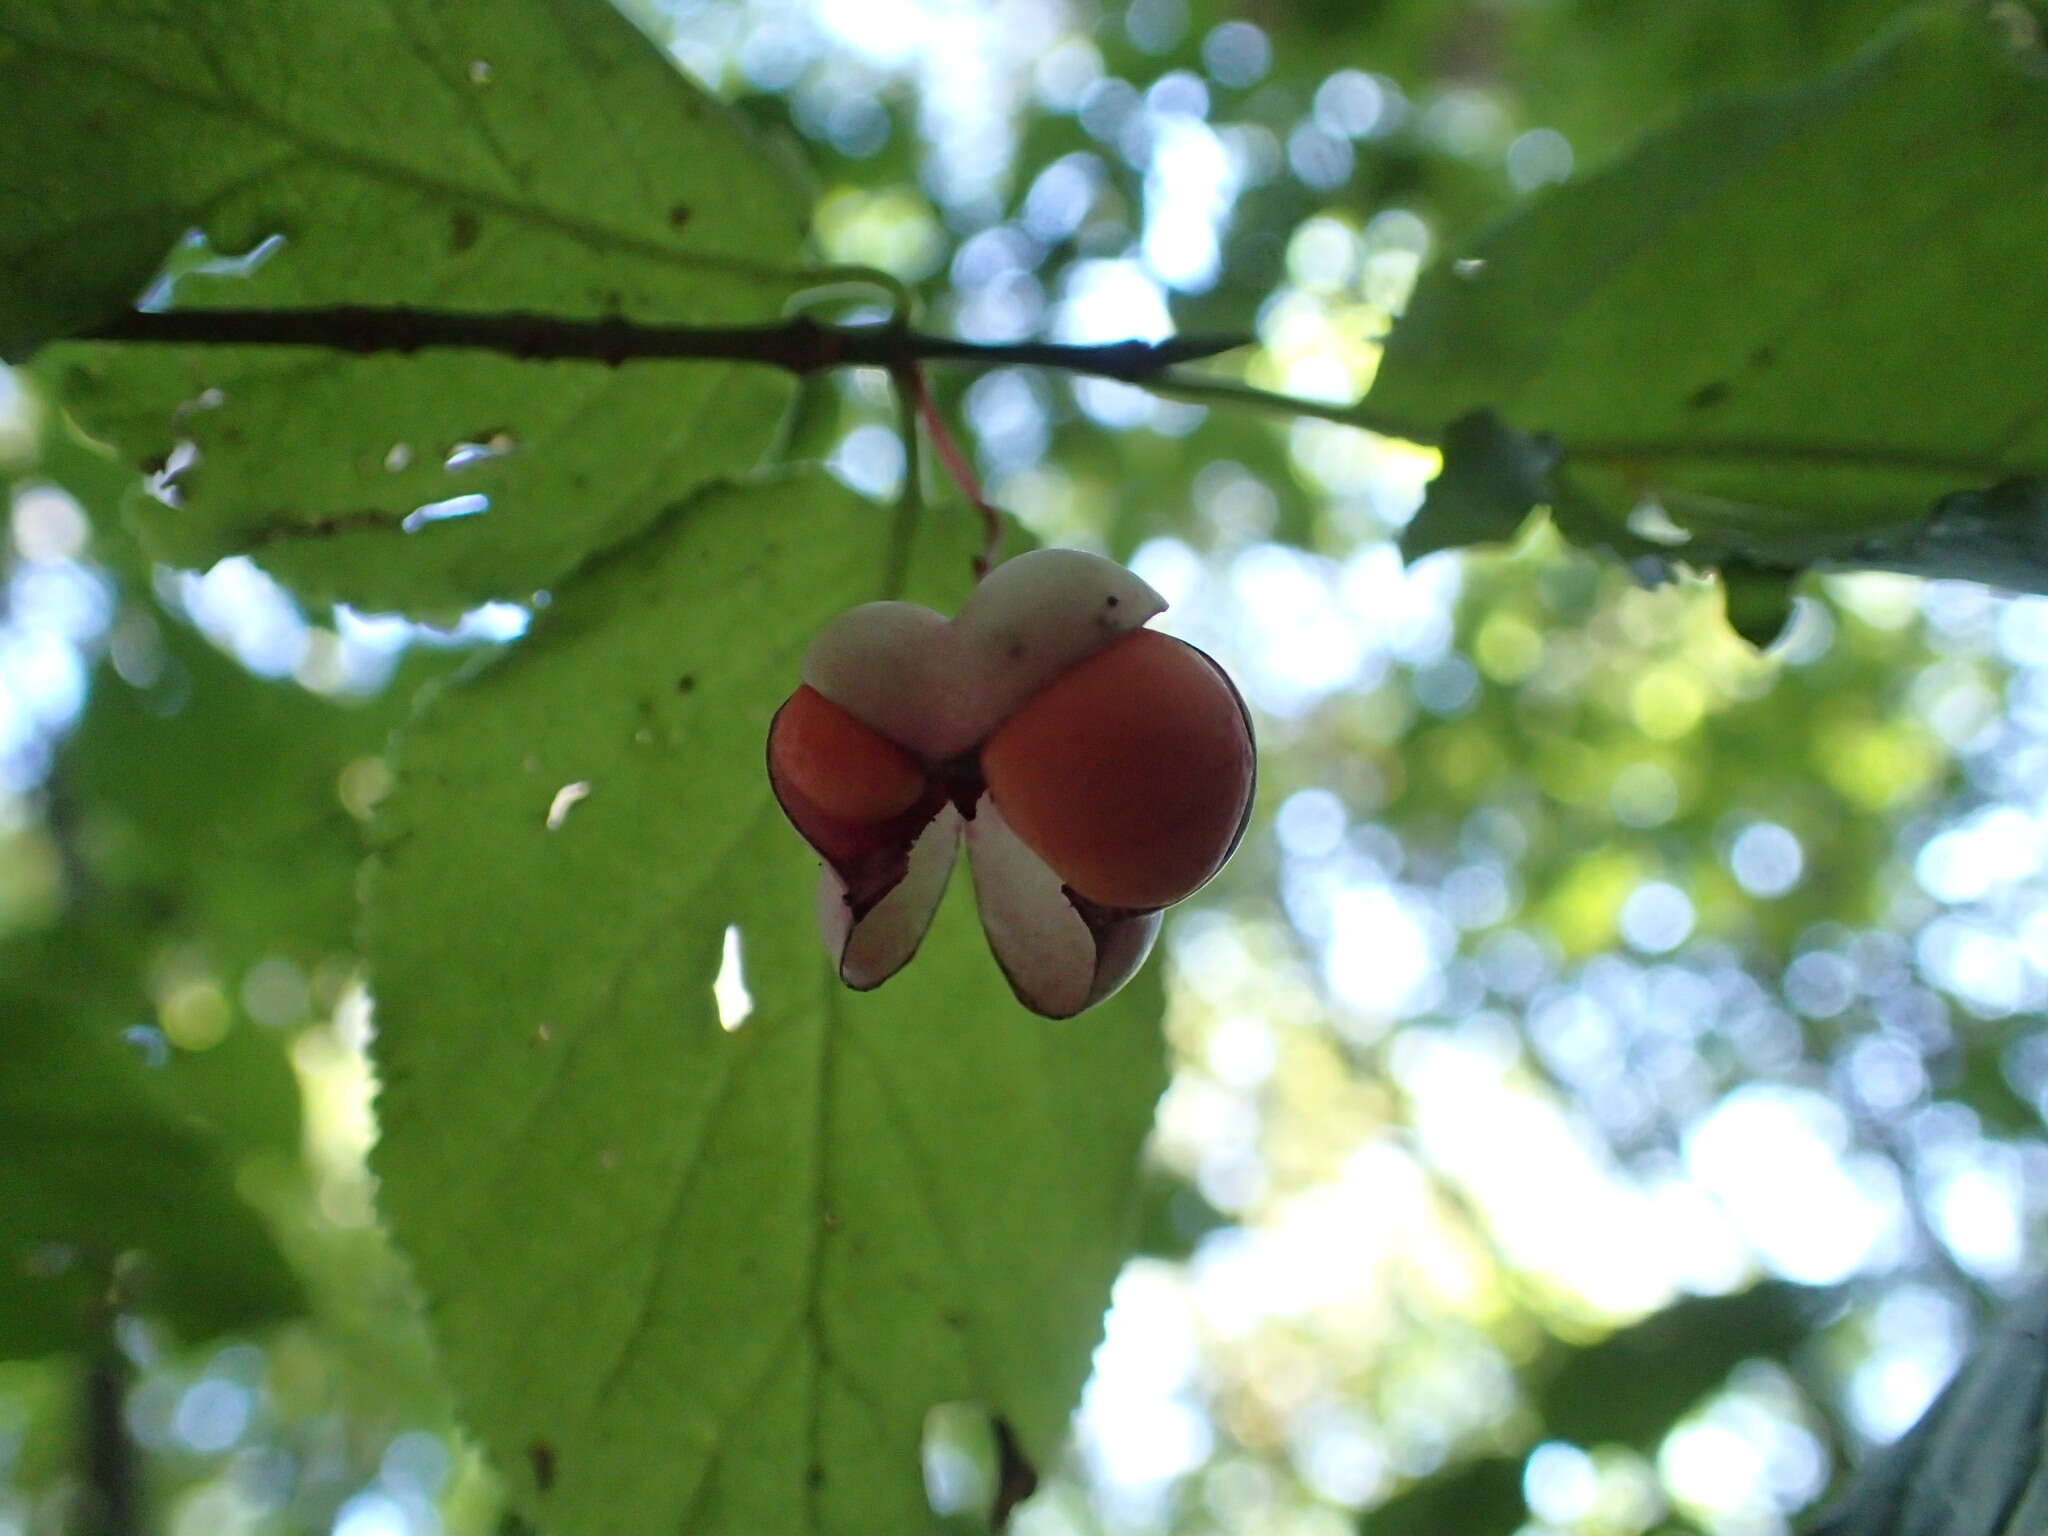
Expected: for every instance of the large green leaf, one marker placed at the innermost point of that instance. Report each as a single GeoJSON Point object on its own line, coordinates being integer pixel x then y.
{"type": "Point", "coordinates": [1601, 70]}
{"type": "Point", "coordinates": [111, 1194]}
{"type": "Point", "coordinates": [686, 1279]}
{"type": "Point", "coordinates": [1810, 325]}
{"type": "Point", "coordinates": [466, 154]}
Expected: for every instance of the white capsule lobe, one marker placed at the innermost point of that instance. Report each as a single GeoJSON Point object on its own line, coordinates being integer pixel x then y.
{"type": "Point", "coordinates": [1032, 618]}
{"type": "Point", "coordinates": [1056, 961]}
{"type": "Point", "coordinates": [938, 688]}
{"type": "Point", "coordinates": [869, 949]}
{"type": "Point", "coordinates": [889, 665]}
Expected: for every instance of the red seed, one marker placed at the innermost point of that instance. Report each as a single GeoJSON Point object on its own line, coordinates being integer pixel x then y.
{"type": "Point", "coordinates": [844, 768]}
{"type": "Point", "coordinates": [1130, 774]}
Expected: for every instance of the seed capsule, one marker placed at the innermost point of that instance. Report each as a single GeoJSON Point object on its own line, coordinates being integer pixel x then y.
{"type": "Point", "coordinates": [1099, 771]}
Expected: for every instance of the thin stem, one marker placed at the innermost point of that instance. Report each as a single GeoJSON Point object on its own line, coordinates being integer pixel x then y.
{"type": "Point", "coordinates": [1357, 413]}
{"type": "Point", "coordinates": [909, 395]}
{"type": "Point", "coordinates": [910, 500]}
{"type": "Point", "coordinates": [956, 466]}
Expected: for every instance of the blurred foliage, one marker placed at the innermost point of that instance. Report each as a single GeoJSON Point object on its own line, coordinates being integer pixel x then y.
{"type": "Point", "coordinates": [1627, 1388]}
{"type": "Point", "coordinates": [1971, 1466]}
{"type": "Point", "coordinates": [1557, 890]}
{"type": "Point", "coordinates": [118, 1199]}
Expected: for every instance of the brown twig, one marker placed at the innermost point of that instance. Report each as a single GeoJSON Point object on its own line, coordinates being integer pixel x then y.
{"type": "Point", "coordinates": [798, 345]}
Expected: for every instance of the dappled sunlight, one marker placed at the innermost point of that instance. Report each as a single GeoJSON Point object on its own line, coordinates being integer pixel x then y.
{"type": "Point", "coordinates": [1780, 1162]}
{"type": "Point", "coordinates": [1476, 1193]}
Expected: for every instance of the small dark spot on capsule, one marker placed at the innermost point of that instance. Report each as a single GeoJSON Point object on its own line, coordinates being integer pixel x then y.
{"type": "Point", "coordinates": [1112, 600]}
{"type": "Point", "coordinates": [1763, 357]}
{"type": "Point", "coordinates": [687, 683]}
{"type": "Point", "coordinates": [1708, 395]}
{"type": "Point", "coordinates": [463, 229]}
{"type": "Point", "coordinates": [541, 1456]}
{"type": "Point", "coordinates": [678, 216]}
{"type": "Point", "coordinates": [814, 1475]}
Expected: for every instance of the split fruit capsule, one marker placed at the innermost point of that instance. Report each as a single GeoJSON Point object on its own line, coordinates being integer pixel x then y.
{"type": "Point", "coordinates": [1097, 770]}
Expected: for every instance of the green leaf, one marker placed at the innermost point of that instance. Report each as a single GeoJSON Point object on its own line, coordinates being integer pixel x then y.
{"type": "Point", "coordinates": [1492, 477]}
{"type": "Point", "coordinates": [1632, 1386]}
{"type": "Point", "coordinates": [1758, 599]}
{"type": "Point", "coordinates": [539, 156]}
{"type": "Point", "coordinates": [688, 1279]}
{"type": "Point", "coordinates": [1174, 1216]}
{"type": "Point", "coordinates": [1600, 70]}
{"type": "Point", "coordinates": [1479, 1498]}
{"type": "Point", "coordinates": [109, 1191]}
{"type": "Point", "coordinates": [1798, 322]}
{"type": "Point", "coordinates": [1975, 1464]}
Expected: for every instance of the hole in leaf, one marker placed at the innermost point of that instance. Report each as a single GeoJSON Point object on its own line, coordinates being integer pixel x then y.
{"type": "Point", "coordinates": [1650, 521]}
{"type": "Point", "coordinates": [481, 449]}
{"type": "Point", "coordinates": [243, 611]}
{"type": "Point", "coordinates": [195, 255]}
{"type": "Point", "coordinates": [148, 1043]}
{"type": "Point", "coordinates": [399, 458]}
{"type": "Point", "coordinates": [729, 992]}
{"type": "Point", "coordinates": [566, 800]}
{"type": "Point", "coordinates": [164, 482]}
{"type": "Point", "coordinates": [362, 785]}
{"type": "Point", "coordinates": [229, 265]}
{"type": "Point", "coordinates": [444, 511]}
{"type": "Point", "coordinates": [973, 1464]}
{"type": "Point", "coordinates": [959, 1454]}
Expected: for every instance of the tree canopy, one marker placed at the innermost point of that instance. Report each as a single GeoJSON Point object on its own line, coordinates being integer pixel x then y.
{"type": "Point", "coordinates": [1608, 447]}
